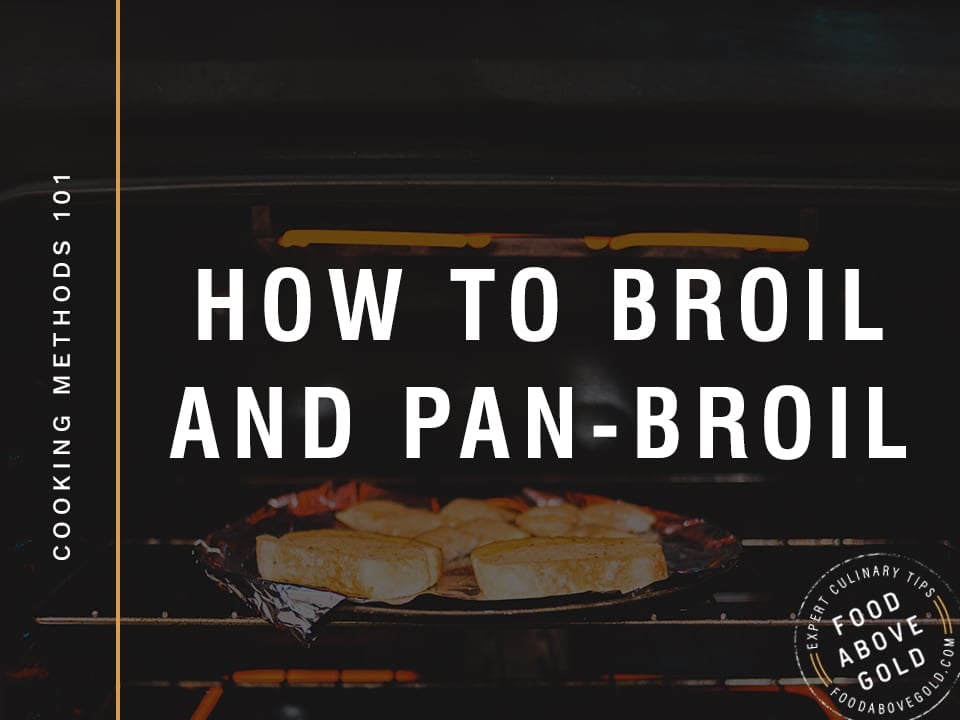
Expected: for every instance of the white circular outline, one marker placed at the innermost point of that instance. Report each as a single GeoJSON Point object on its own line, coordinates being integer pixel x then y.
{"type": "Point", "coordinates": [796, 632]}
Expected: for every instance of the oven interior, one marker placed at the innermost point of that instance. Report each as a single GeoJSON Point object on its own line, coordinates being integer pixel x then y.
{"type": "Point", "coordinates": [191, 650]}
{"type": "Point", "coordinates": [836, 124]}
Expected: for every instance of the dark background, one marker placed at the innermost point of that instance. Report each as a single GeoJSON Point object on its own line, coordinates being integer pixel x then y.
{"type": "Point", "coordinates": [834, 120]}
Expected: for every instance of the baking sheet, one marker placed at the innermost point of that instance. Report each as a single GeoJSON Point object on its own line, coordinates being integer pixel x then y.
{"type": "Point", "coordinates": [694, 550]}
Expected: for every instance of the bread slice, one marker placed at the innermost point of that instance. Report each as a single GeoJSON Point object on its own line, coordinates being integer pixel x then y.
{"type": "Point", "coordinates": [350, 563]}
{"type": "Point", "coordinates": [454, 542]}
{"type": "Point", "coordinates": [619, 515]}
{"type": "Point", "coordinates": [403, 522]}
{"type": "Point", "coordinates": [549, 521]}
{"type": "Point", "coordinates": [544, 567]}
{"type": "Point", "coordinates": [589, 530]}
{"type": "Point", "coordinates": [368, 511]}
{"type": "Point", "coordinates": [486, 531]}
{"type": "Point", "coordinates": [461, 510]}
{"type": "Point", "coordinates": [457, 542]}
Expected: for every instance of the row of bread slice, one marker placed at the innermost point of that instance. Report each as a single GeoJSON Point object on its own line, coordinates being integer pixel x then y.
{"type": "Point", "coordinates": [381, 567]}
{"type": "Point", "coordinates": [465, 524]}
{"type": "Point", "coordinates": [460, 527]}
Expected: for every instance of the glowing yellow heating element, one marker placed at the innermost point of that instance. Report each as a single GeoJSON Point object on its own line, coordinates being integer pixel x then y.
{"type": "Point", "coordinates": [303, 238]}
{"type": "Point", "coordinates": [737, 241]}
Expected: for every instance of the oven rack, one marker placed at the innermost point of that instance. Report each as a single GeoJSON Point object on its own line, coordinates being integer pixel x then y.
{"type": "Point", "coordinates": [166, 588]}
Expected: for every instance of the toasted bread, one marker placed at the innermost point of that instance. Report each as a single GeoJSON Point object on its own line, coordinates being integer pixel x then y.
{"type": "Point", "coordinates": [457, 542]}
{"type": "Point", "coordinates": [402, 522]}
{"type": "Point", "coordinates": [461, 510]}
{"type": "Point", "coordinates": [368, 511]}
{"type": "Point", "coordinates": [454, 542]}
{"type": "Point", "coordinates": [544, 567]}
{"type": "Point", "coordinates": [619, 515]}
{"type": "Point", "coordinates": [549, 521]}
{"type": "Point", "coordinates": [350, 563]}
{"type": "Point", "coordinates": [600, 531]}
{"type": "Point", "coordinates": [486, 531]}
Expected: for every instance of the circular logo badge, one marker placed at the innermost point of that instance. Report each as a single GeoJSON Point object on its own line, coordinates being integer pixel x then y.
{"type": "Point", "coordinates": [875, 637]}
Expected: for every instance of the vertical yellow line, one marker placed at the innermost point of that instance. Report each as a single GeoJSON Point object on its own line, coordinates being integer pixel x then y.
{"type": "Point", "coordinates": [116, 201]}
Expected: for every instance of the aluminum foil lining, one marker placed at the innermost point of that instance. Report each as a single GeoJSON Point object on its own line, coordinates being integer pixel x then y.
{"type": "Point", "coordinates": [693, 548]}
